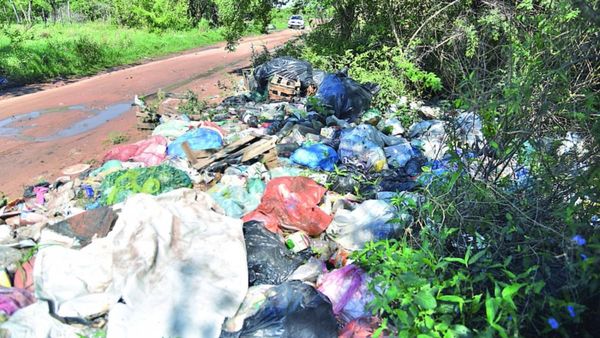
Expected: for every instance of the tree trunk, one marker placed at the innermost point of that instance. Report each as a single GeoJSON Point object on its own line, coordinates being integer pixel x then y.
{"type": "Point", "coordinates": [69, 10]}
{"type": "Point", "coordinates": [16, 13]}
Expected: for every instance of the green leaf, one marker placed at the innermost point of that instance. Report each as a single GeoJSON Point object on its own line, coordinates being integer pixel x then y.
{"type": "Point", "coordinates": [490, 308]}
{"type": "Point", "coordinates": [425, 300]}
{"type": "Point", "coordinates": [510, 290]}
{"type": "Point", "coordinates": [453, 299]}
{"type": "Point", "coordinates": [476, 257]}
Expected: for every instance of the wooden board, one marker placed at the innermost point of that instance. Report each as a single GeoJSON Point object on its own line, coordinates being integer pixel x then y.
{"type": "Point", "coordinates": [245, 149]}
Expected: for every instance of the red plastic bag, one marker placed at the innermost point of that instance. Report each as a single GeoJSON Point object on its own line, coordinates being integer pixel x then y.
{"type": "Point", "coordinates": [292, 203]}
{"type": "Point", "coordinates": [151, 151]}
{"type": "Point", "coordinates": [361, 328]}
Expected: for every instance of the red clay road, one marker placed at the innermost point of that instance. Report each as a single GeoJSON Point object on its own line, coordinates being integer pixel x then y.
{"type": "Point", "coordinates": [44, 132]}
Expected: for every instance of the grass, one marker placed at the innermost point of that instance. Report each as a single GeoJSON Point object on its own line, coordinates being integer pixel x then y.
{"type": "Point", "coordinates": [80, 49]}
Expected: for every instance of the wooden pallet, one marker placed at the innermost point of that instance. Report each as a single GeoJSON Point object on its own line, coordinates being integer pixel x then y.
{"type": "Point", "coordinates": [146, 120]}
{"type": "Point", "coordinates": [243, 150]}
{"type": "Point", "coordinates": [283, 89]}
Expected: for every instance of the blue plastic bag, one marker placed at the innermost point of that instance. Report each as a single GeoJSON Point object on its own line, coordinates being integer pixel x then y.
{"type": "Point", "coordinates": [316, 156]}
{"type": "Point", "coordinates": [198, 139]}
{"type": "Point", "coordinates": [348, 98]}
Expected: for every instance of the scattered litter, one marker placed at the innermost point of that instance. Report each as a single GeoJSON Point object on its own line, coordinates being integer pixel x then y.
{"type": "Point", "coordinates": [347, 98]}
{"type": "Point", "coordinates": [269, 260]}
{"type": "Point", "coordinates": [316, 156]}
{"type": "Point", "coordinates": [347, 290]}
{"type": "Point", "coordinates": [154, 180]}
{"type": "Point", "coordinates": [290, 310]}
{"type": "Point", "coordinates": [151, 151]}
{"type": "Point", "coordinates": [370, 221]}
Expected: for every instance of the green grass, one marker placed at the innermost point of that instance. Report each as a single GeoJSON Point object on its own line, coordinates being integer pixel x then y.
{"type": "Point", "coordinates": [81, 49]}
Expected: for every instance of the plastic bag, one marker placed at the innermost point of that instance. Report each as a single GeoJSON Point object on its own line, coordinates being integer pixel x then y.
{"type": "Point", "coordinates": [430, 136]}
{"type": "Point", "coordinates": [13, 299]}
{"type": "Point", "coordinates": [347, 289]}
{"type": "Point", "coordinates": [292, 203]}
{"type": "Point", "coordinates": [119, 185]}
{"type": "Point", "coordinates": [346, 97]}
{"type": "Point", "coordinates": [363, 146]}
{"type": "Point", "coordinates": [269, 260]}
{"type": "Point", "coordinates": [362, 328]}
{"type": "Point", "coordinates": [368, 222]}
{"type": "Point", "coordinates": [172, 129]}
{"type": "Point", "coordinates": [198, 139]}
{"type": "Point", "coordinates": [237, 200]}
{"type": "Point", "coordinates": [290, 310]}
{"type": "Point", "coordinates": [316, 156]}
{"type": "Point", "coordinates": [150, 152]}
{"type": "Point", "coordinates": [398, 155]}
{"type": "Point", "coordinates": [287, 67]}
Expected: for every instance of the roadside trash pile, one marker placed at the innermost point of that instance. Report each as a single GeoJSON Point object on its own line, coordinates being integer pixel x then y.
{"type": "Point", "coordinates": [238, 222]}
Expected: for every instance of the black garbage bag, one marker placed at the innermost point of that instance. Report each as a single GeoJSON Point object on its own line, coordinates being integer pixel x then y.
{"type": "Point", "coordinates": [287, 67]}
{"type": "Point", "coordinates": [269, 260]}
{"type": "Point", "coordinates": [347, 98]}
{"type": "Point", "coordinates": [292, 310]}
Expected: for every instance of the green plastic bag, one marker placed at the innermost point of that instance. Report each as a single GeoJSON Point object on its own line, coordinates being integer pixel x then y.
{"type": "Point", "coordinates": [153, 180]}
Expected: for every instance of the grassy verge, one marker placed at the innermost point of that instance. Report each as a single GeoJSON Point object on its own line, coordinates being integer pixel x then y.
{"type": "Point", "coordinates": [43, 52]}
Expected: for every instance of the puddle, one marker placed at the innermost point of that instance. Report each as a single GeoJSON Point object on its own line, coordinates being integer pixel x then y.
{"type": "Point", "coordinates": [97, 118]}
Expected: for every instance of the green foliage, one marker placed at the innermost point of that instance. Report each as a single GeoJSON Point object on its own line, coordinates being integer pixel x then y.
{"type": "Point", "coordinates": [235, 16]}
{"type": "Point", "coordinates": [152, 14]}
{"type": "Point", "coordinates": [41, 53]}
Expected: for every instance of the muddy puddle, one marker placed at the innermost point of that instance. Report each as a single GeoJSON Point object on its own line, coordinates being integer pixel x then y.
{"type": "Point", "coordinates": [18, 125]}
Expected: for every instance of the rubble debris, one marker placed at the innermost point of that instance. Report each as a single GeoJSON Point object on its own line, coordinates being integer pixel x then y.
{"type": "Point", "coordinates": [126, 247]}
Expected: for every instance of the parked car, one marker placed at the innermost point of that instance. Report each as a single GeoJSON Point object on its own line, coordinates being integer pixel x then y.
{"type": "Point", "coordinates": [296, 22]}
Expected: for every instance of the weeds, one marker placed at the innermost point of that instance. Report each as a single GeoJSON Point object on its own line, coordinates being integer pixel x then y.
{"type": "Point", "coordinates": [115, 138]}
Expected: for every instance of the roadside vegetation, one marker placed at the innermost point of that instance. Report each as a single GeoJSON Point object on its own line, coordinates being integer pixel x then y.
{"type": "Point", "coordinates": [488, 254]}
{"type": "Point", "coordinates": [44, 40]}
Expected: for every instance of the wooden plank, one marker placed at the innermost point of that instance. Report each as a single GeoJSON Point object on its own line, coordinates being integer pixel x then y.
{"type": "Point", "coordinates": [146, 126]}
{"type": "Point", "coordinates": [189, 153]}
{"type": "Point", "coordinates": [225, 152]}
{"type": "Point", "coordinates": [258, 148]}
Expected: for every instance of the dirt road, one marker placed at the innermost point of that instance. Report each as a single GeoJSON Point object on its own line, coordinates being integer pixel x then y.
{"type": "Point", "coordinates": [44, 132]}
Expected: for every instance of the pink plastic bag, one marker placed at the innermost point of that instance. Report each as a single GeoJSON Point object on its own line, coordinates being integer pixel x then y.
{"type": "Point", "coordinates": [13, 299]}
{"type": "Point", "coordinates": [292, 203]}
{"type": "Point", "coordinates": [151, 151]}
{"type": "Point", "coordinates": [347, 290]}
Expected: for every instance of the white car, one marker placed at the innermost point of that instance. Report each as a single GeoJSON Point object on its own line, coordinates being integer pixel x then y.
{"type": "Point", "coordinates": [296, 21]}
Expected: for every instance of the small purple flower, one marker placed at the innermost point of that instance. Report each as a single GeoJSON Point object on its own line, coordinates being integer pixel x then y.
{"type": "Point", "coordinates": [553, 323]}
{"type": "Point", "coordinates": [579, 240]}
{"type": "Point", "coordinates": [571, 311]}
{"type": "Point", "coordinates": [583, 256]}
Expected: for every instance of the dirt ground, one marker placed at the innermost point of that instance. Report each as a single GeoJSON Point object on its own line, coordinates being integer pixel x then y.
{"type": "Point", "coordinates": [43, 132]}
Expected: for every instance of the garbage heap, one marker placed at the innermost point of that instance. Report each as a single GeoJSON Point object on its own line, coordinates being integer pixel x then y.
{"type": "Point", "coordinates": [239, 221]}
